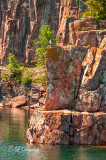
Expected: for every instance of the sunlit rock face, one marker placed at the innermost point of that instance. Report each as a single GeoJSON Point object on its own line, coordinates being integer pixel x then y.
{"type": "Point", "coordinates": [67, 127]}
{"type": "Point", "coordinates": [20, 21]}
{"type": "Point", "coordinates": [92, 91]}
{"type": "Point", "coordinates": [64, 69]}
{"type": "Point", "coordinates": [76, 79]}
{"type": "Point", "coordinates": [82, 32]}
{"type": "Point", "coordinates": [18, 101]}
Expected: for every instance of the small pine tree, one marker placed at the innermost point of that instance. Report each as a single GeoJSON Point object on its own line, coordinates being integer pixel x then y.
{"type": "Point", "coordinates": [43, 40]}
{"type": "Point", "coordinates": [96, 9]}
{"type": "Point", "coordinates": [13, 68]}
{"type": "Point", "coordinates": [15, 72]}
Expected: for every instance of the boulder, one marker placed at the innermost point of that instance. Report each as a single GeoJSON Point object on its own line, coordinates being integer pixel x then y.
{"type": "Point", "coordinates": [18, 101]}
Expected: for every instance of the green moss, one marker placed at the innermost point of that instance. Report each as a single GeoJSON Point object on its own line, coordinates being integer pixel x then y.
{"type": "Point", "coordinates": [53, 54]}
{"type": "Point", "coordinates": [84, 29]}
{"type": "Point", "coordinates": [102, 28]}
{"type": "Point", "coordinates": [88, 46]}
{"type": "Point", "coordinates": [65, 1]}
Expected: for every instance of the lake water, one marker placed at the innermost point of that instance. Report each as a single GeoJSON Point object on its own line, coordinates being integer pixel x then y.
{"type": "Point", "coordinates": [14, 146]}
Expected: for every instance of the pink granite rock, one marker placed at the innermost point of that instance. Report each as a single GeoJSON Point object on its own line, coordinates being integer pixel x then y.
{"type": "Point", "coordinates": [18, 101]}
{"type": "Point", "coordinates": [75, 79]}
{"type": "Point", "coordinates": [20, 22]}
{"type": "Point", "coordinates": [67, 127]}
{"type": "Point", "coordinates": [82, 32]}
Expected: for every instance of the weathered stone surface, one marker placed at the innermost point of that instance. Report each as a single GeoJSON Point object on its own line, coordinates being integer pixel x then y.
{"type": "Point", "coordinates": [76, 79]}
{"type": "Point", "coordinates": [63, 76]}
{"type": "Point", "coordinates": [34, 92]}
{"type": "Point", "coordinates": [91, 38]}
{"type": "Point", "coordinates": [20, 22]}
{"type": "Point", "coordinates": [82, 32]}
{"type": "Point", "coordinates": [18, 101]}
{"type": "Point", "coordinates": [92, 91]}
{"type": "Point", "coordinates": [67, 127]}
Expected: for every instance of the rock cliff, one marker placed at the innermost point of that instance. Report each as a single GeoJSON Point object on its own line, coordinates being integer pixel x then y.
{"type": "Point", "coordinates": [76, 78]}
{"type": "Point", "coordinates": [76, 81]}
{"type": "Point", "coordinates": [20, 21]}
{"type": "Point", "coordinates": [75, 108]}
{"type": "Point", "coordinates": [67, 127]}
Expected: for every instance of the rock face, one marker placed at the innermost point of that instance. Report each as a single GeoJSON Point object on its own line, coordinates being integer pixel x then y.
{"type": "Point", "coordinates": [92, 91]}
{"type": "Point", "coordinates": [76, 79]}
{"type": "Point", "coordinates": [20, 21]}
{"type": "Point", "coordinates": [82, 32]}
{"type": "Point", "coordinates": [63, 76]}
{"type": "Point", "coordinates": [67, 127]}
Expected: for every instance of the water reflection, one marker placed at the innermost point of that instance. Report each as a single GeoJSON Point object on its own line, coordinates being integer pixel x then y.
{"type": "Point", "coordinates": [13, 123]}
{"type": "Point", "coordinates": [35, 152]}
{"type": "Point", "coordinates": [14, 146]}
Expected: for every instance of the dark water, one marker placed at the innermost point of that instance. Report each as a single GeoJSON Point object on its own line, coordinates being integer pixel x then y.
{"type": "Point", "coordinates": [14, 146]}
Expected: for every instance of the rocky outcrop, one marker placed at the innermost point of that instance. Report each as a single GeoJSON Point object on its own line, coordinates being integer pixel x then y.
{"type": "Point", "coordinates": [76, 78]}
{"type": "Point", "coordinates": [20, 21]}
{"type": "Point", "coordinates": [92, 91]}
{"type": "Point", "coordinates": [67, 127]}
{"type": "Point", "coordinates": [31, 95]}
{"type": "Point", "coordinates": [82, 32]}
{"type": "Point", "coordinates": [18, 101]}
{"type": "Point", "coordinates": [64, 71]}
{"type": "Point", "coordinates": [76, 81]}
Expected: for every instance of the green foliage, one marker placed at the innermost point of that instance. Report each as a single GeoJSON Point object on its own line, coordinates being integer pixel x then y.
{"type": "Point", "coordinates": [42, 42]}
{"type": "Point", "coordinates": [88, 46]}
{"type": "Point", "coordinates": [58, 40]}
{"type": "Point", "coordinates": [96, 9]}
{"type": "Point", "coordinates": [16, 72]}
{"type": "Point", "coordinates": [13, 70]}
{"type": "Point", "coordinates": [26, 76]}
{"type": "Point", "coordinates": [4, 75]}
{"type": "Point", "coordinates": [40, 79]}
{"type": "Point", "coordinates": [102, 28]}
{"type": "Point", "coordinates": [77, 2]}
{"type": "Point", "coordinates": [12, 62]}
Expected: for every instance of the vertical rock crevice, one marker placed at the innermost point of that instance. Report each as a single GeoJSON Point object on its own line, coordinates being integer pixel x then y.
{"type": "Point", "coordinates": [38, 13]}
